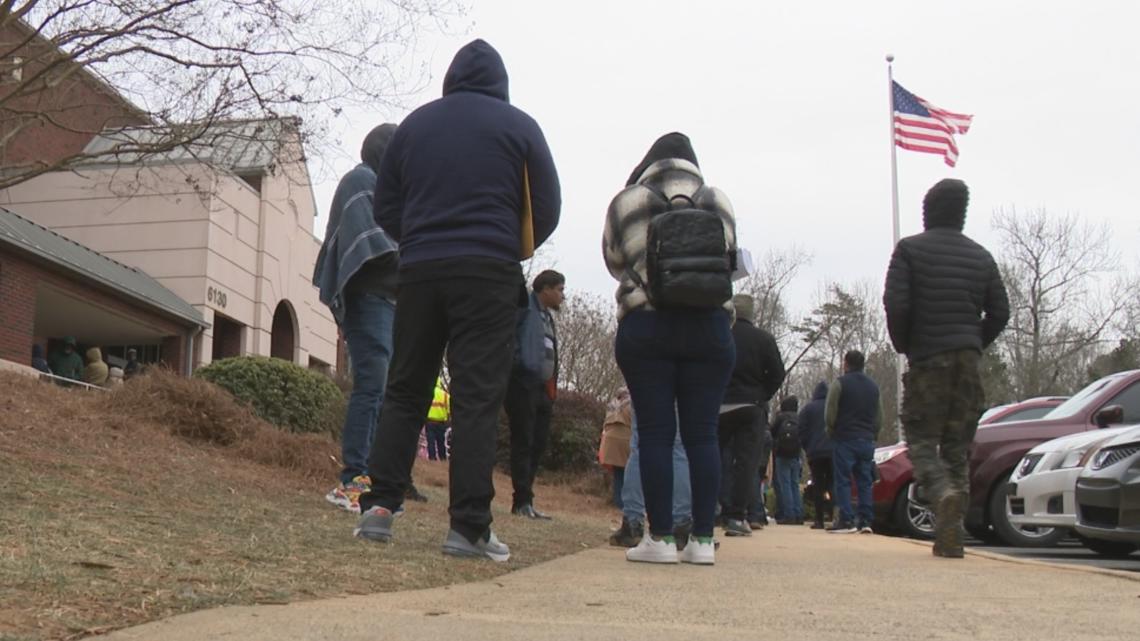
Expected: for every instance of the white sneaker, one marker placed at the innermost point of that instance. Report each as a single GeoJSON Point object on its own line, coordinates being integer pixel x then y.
{"type": "Point", "coordinates": [653, 551]}
{"type": "Point", "coordinates": [699, 553]}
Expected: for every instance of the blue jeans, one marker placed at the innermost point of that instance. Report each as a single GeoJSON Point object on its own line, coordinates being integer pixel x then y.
{"type": "Point", "coordinates": [789, 471]}
{"type": "Point", "coordinates": [854, 460]}
{"type": "Point", "coordinates": [368, 331]}
{"type": "Point", "coordinates": [632, 498]}
{"type": "Point", "coordinates": [677, 364]}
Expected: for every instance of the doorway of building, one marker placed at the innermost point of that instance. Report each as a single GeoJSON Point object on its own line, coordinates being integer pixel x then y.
{"type": "Point", "coordinates": [227, 337]}
{"type": "Point", "coordinates": [283, 341]}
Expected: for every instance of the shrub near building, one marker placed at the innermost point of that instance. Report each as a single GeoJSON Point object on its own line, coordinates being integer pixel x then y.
{"type": "Point", "coordinates": [285, 394]}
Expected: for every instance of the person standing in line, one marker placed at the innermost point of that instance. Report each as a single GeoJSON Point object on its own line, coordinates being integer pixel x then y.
{"type": "Point", "coordinates": [38, 360]}
{"type": "Point", "coordinates": [814, 441]}
{"type": "Point", "coordinates": [438, 420]}
{"type": "Point", "coordinates": [945, 304]}
{"type": "Point", "coordinates": [530, 396]}
{"type": "Point", "coordinates": [613, 450]}
{"type": "Point", "coordinates": [786, 459]}
{"type": "Point", "coordinates": [674, 340]}
{"type": "Point", "coordinates": [66, 361]}
{"type": "Point", "coordinates": [355, 273]}
{"type": "Point", "coordinates": [96, 372]}
{"type": "Point", "coordinates": [758, 374]}
{"type": "Point", "coordinates": [854, 418]}
{"type": "Point", "coordinates": [453, 191]}
{"type": "Point", "coordinates": [132, 368]}
{"type": "Point", "coordinates": [632, 529]}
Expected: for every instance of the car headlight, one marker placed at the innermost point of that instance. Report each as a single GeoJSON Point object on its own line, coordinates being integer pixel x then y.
{"type": "Point", "coordinates": [1075, 458]}
{"type": "Point", "coordinates": [1028, 464]}
{"type": "Point", "coordinates": [885, 454]}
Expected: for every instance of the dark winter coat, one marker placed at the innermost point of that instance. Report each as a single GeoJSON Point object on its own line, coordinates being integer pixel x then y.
{"type": "Point", "coordinates": [451, 183]}
{"type": "Point", "coordinates": [943, 290]}
{"type": "Point", "coordinates": [813, 429]}
{"type": "Point", "coordinates": [759, 371]}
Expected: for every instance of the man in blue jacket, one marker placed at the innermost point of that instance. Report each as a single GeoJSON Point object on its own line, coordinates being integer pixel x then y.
{"type": "Point", "coordinates": [451, 192]}
{"type": "Point", "coordinates": [356, 275]}
{"type": "Point", "coordinates": [854, 418]}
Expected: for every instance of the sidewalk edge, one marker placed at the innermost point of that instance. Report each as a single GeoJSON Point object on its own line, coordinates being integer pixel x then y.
{"type": "Point", "coordinates": [1069, 567]}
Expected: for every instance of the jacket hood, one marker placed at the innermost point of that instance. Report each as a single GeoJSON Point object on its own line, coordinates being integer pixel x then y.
{"type": "Point", "coordinates": [945, 205]}
{"type": "Point", "coordinates": [820, 392]}
{"type": "Point", "coordinates": [478, 68]}
{"type": "Point", "coordinates": [375, 143]}
{"type": "Point", "coordinates": [670, 146]}
{"type": "Point", "coordinates": [94, 355]}
{"type": "Point", "coordinates": [790, 404]}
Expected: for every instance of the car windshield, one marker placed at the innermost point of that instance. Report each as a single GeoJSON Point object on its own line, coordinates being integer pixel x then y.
{"type": "Point", "coordinates": [1076, 404]}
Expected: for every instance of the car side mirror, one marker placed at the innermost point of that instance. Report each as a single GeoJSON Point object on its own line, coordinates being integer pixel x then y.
{"type": "Point", "coordinates": [1113, 414]}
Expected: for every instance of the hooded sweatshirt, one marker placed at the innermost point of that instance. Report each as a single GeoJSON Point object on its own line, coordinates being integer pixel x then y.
{"type": "Point", "coordinates": [669, 168]}
{"type": "Point", "coordinates": [67, 364]}
{"type": "Point", "coordinates": [96, 371]}
{"type": "Point", "coordinates": [357, 255]}
{"type": "Point", "coordinates": [38, 360]}
{"type": "Point", "coordinates": [451, 183]}
{"type": "Point", "coordinates": [813, 429]}
{"type": "Point", "coordinates": [943, 291]}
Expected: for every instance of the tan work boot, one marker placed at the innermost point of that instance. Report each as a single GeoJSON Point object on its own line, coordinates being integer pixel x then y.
{"type": "Point", "coordinates": [948, 527]}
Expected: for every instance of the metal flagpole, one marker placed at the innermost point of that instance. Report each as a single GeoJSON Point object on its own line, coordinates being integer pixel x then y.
{"type": "Point", "coordinates": [900, 360]}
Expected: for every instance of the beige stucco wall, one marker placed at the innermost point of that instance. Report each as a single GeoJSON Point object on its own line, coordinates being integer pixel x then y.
{"type": "Point", "coordinates": [206, 235]}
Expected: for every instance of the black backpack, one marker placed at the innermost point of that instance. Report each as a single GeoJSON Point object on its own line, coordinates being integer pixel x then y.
{"type": "Point", "coordinates": [688, 263]}
{"type": "Point", "coordinates": [787, 437]}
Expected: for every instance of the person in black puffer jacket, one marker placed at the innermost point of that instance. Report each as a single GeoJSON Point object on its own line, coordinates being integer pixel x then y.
{"type": "Point", "coordinates": [945, 303]}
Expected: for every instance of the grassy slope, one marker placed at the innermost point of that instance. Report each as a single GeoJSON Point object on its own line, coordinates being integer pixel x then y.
{"type": "Point", "coordinates": [108, 520]}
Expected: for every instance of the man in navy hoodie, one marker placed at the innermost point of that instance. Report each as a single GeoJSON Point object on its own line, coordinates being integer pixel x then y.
{"type": "Point", "coordinates": [451, 192]}
{"type": "Point", "coordinates": [813, 439]}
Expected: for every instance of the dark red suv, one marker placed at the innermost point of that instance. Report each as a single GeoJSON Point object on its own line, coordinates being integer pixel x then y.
{"type": "Point", "coordinates": [997, 448]}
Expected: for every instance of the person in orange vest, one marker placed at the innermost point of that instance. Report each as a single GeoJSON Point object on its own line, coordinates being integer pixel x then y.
{"type": "Point", "coordinates": [438, 420]}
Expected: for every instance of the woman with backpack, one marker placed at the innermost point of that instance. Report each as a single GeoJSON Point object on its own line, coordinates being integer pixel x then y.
{"type": "Point", "coordinates": [670, 241]}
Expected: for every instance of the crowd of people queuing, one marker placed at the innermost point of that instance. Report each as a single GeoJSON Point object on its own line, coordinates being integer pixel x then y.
{"type": "Point", "coordinates": [66, 365]}
{"type": "Point", "coordinates": [421, 259]}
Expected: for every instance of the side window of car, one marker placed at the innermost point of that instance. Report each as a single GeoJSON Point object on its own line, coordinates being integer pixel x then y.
{"type": "Point", "coordinates": [1129, 399]}
{"type": "Point", "coordinates": [1026, 414]}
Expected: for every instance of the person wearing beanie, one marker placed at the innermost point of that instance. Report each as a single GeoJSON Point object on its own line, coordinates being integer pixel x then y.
{"type": "Point", "coordinates": [757, 375]}
{"type": "Point", "coordinates": [787, 462]}
{"type": "Point", "coordinates": [945, 303]}
{"type": "Point", "coordinates": [356, 274]}
{"type": "Point", "coordinates": [677, 360]}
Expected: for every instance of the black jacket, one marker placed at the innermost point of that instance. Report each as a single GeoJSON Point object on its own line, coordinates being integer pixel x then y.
{"type": "Point", "coordinates": [943, 290]}
{"type": "Point", "coordinates": [451, 182]}
{"type": "Point", "coordinates": [759, 371]}
{"type": "Point", "coordinates": [813, 429]}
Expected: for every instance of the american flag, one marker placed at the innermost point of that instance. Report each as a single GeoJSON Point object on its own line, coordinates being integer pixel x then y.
{"type": "Point", "coordinates": [920, 126]}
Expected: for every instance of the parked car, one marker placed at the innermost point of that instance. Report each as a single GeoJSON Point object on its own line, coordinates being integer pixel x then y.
{"type": "Point", "coordinates": [1042, 485]}
{"type": "Point", "coordinates": [1108, 497]}
{"type": "Point", "coordinates": [997, 449]}
{"type": "Point", "coordinates": [1022, 411]}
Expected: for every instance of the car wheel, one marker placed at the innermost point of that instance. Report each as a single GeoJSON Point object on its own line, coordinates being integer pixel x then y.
{"type": "Point", "coordinates": [912, 518]}
{"type": "Point", "coordinates": [1112, 549]}
{"type": "Point", "coordinates": [1026, 537]}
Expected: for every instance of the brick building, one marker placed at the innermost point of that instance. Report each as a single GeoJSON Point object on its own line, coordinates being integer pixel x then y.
{"type": "Point", "coordinates": [53, 287]}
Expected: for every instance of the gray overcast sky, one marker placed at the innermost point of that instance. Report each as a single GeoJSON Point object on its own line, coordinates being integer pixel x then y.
{"type": "Point", "coordinates": [786, 104]}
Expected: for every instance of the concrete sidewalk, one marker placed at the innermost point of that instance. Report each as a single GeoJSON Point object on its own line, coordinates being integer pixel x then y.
{"type": "Point", "coordinates": [785, 582]}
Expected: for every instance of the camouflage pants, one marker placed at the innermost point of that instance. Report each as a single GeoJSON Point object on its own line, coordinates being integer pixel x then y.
{"type": "Point", "coordinates": [942, 401]}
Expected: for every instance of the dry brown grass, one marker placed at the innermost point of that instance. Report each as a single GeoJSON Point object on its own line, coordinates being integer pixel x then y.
{"type": "Point", "coordinates": [165, 496]}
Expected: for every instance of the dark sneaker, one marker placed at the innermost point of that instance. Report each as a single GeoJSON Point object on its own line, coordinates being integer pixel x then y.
{"type": "Point", "coordinates": [375, 525]}
{"type": "Point", "coordinates": [628, 535]}
{"type": "Point", "coordinates": [736, 527]}
{"type": "Point", "coordinates": [947, 527]}
{"type": "Point", "coordinates": [757, 524]}
{"type": "Point", "coordinates": [842, 527]}
{"type": "Point", "coordinates": [818, 525]}
{"type": "Point", "coordinates": [488, 547]}
{"type": "Point", "coordinates": [529, 512]}
{"type": "Point", "coordinates": [412, 494]}
{"type": "Point", "coordinates": [681, 533]}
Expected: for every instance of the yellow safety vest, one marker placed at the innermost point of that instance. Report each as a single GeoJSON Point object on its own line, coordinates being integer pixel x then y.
{"type": "Point", "coordinates": [440, 411]}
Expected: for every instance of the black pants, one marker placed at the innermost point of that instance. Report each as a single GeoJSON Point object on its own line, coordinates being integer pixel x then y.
{"type": "Point", "coordinates": [474, 319]}
{"type": "Point", "coordinates": [528, 413]}
{"type": "Point", "coordinates": [823, 486]}
{"type": "Point", "coordinates": [739, 434]}
{"type": "Point", "coordinates": [436, 441]}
